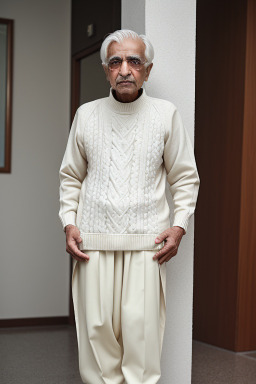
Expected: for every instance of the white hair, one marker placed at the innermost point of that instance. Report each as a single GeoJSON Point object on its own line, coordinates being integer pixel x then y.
{"type": "Point", "coordinates": [122, 34]}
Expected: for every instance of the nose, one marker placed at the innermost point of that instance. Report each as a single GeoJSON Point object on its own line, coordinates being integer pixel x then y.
{"type": "Point", "coordinates": [124, 68]}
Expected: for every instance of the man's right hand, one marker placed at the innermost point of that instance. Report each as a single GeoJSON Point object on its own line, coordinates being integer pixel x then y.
{"type": "Point", "coordinates": [72, 239]}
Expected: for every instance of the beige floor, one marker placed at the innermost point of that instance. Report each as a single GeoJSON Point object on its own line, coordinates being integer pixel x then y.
{"type": "Point", "coordinates": [48, 355]}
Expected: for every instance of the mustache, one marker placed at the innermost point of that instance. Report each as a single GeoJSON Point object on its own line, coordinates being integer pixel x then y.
{"type": "Point", "coordinates": [125, 79]}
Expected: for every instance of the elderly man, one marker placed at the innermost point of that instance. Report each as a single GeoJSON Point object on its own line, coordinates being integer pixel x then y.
{"type": "Point", "coordinates": [113, 208]}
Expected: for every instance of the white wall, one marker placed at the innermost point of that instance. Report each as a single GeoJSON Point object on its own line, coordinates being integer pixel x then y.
{"type": "Point", "coordinates": [171, 27]}
{"type": "Point", "coordinates": [34, 266]}
{"type": "Point", "coordinates": [133, 13]}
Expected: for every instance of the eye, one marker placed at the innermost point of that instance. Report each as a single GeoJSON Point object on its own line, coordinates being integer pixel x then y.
{"type": "Point", "coordinates": [134, 62]}
{"type": "Point", "coordinates": [114, 62]}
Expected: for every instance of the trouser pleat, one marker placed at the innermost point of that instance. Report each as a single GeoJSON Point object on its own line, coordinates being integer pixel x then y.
{"type": "Point", "coordinates": [119, 302]}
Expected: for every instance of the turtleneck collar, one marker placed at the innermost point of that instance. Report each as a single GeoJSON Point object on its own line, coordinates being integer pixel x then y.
{"type": "Point", "coordinates": [128, 108]}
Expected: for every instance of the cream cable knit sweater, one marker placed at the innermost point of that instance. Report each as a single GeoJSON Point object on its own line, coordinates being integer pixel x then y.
{"type": "Point", "coordinates": [114, 171]}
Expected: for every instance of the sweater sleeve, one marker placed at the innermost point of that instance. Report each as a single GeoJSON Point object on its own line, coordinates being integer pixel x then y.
{"type": "Point", "coordinates": [181, 169]}
{"type": "Point", "coordinates": [72, 172]}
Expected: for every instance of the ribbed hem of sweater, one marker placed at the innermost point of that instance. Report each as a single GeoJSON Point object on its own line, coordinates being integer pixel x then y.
{"type": "Point", "coordinates": [119, 242]}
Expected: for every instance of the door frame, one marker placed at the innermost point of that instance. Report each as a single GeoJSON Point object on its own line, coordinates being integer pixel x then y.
{"type": "Point", "coordinates": [76, 74]}
{"type": "Point", "coordinates": [75, 103]}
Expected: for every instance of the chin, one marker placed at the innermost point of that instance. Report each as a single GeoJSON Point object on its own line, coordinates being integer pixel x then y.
{"type": "Point", "coordinates": [126, 88]}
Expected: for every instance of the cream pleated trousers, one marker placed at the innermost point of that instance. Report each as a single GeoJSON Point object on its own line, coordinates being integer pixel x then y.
{"type": "Point", "coordinates": [120, 308]}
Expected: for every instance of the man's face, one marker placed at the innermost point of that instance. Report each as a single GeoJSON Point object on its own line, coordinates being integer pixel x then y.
{"type": "Point", "coordinates": [125, 80]}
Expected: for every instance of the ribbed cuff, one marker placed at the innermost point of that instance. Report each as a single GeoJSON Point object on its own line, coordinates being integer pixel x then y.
{"type": "Point", "coordinates": [68, 218]}
{"type": "Point", "coordinates": [181, 219]}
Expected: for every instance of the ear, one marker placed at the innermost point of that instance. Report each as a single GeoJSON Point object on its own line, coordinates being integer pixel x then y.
{"type": "Point", "coordinates": [105, 67]}
{"type": "Point", "coordinates": [148, 69]}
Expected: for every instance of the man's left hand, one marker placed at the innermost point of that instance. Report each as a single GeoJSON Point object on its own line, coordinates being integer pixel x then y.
{"type": "Point", "coordinates": [172, 237]}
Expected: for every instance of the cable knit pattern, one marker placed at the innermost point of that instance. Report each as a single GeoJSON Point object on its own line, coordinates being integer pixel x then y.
{"type": "Point", "coordinates": [128, 151]}
{"type": "Point", "coordinates": [121, 184]}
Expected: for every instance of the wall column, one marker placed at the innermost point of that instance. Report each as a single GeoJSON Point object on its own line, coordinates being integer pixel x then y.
{"type": "Point", "coordinates": [171, 27]}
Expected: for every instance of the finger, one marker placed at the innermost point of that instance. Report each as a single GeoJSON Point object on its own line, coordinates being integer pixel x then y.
{"type": "Point", "coordinates": [163, 251]}
{"type": "Point", "coordinates": [74, 239]}
{"type": "Point", "coordinates": [165, 258]}
{"type": "Point", "coordinates": [77, 258]}
{"type": "Point", "coordinates": [82, 255]}
{"type": "Point", "coordinates": [161, 237]}
{"type": "Point", "coordinates": [82, 259]}
{"type": "Point", "coordinates": [73, 246]}
{"type": "Point", "coordinates": [158, 254]}
{"type": "Point", "coordinates": [73, 249]}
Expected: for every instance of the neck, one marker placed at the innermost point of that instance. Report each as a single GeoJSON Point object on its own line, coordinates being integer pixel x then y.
{"type": "Point", "coordinates": [126, 98]}
{"type": "Point", "coordinates": [127, 107]}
